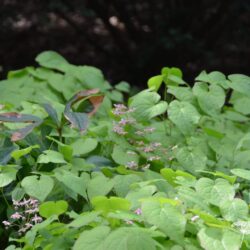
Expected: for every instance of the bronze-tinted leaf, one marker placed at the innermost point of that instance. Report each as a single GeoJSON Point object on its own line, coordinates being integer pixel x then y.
{"type": "Point", "coordinates": [21, 118]}
{"type": "Point", "coordinates": [80, 120]}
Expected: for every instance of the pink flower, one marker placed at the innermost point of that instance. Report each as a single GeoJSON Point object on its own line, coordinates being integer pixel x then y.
{"type": "Point", "coordinates": [36, 219]}
{"type": "Point", "coordinates": [154, 158]}
{"type": "Point", "coordinates": [139, 132]}
{"type": "Point", "coordinates": [6, 223]}
{"type": "Point", "coordinates": [138, 211]}
{"type": "Point", "coordinates": [129, 222]}
{"type": "Point", "coordinates": [28, 225]}
{"type": "Point", "coordinates": [132, 164]}
{"type": "Point", "coordinates": [148, 149]}
{"type": "Point", "coordinates": [119, 130]}
{"type": "Point", "coordinates": [16, 215]}
{"type": "Point", "coordinates": [31, 211]}
{"type": "Point", "coordinates": [149, 130]}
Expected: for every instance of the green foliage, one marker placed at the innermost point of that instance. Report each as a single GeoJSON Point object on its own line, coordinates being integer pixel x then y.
{"type": "Point", "coordinates": [145, 174]}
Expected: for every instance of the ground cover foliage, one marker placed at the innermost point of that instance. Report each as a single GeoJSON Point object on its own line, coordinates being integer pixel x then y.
{"type": "Point", "coordinates": [87, 165]}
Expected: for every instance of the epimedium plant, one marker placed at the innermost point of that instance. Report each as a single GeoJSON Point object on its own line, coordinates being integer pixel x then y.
{"type": "Point", "coordinates": [94, 171]}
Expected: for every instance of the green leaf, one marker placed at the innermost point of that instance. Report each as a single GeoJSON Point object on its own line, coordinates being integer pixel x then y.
{"type": "Point", "coordinates": [64, 149]}
{"type": "Point", "coordinates": [77, 184]}
{"type": "Point", "coordinates": [170, 175]}
{"type": "Point", "coordinates": [210, 219]}
{"type": "Point", "coordinates": [123, 86]}
{"type": "Point", "coordinates": [83, 146]}
{"type": "Point", "coordinates": [52, 113]}
{"type": "Point", "coordinates": [230, 178]}
{"type": "Point", "coordinates": [80, 120]}
{"type": "Point", "coordinates": [122, 156]}
{"type": "Point", "coordinates": [166, 217]}
{"type": "Point", "coordinates": [234, 210]}
{"type": "Point", "coordinates": [5, 153]}
{"type": "Point", "coordinates": [142, 192]}
{"type": "Point", "coordinates": [112, 204]}
{"type": "Point", "coordinates": [147, 105]}
{"type": "Point", "coordinates": [155, 82]}
{"type": "Point", "coordinates": [92, 239]}
{"type": "Point", "coordinates": [7, 175]}
{"type": "Point", "coordinates": [52, 60]}
{"type": "Point", "coordinates": [184, 115]}
{"type": "Point", "coordinates": [216, 239]}
{"type": "Point", "coordinates": [214, 77]}
{"type": "Point", "coordinates": [85, 219]}
{"type": "Point", "coordinates": [123, 182]}
{"type": "Point", "coordinates": [50, 208]}
{"type": "Point", "coordinates": [17, 154]}
{"type": "Point", "coordinates": [210, 98]}
{"type": "Point", "coordinates": [191, 160]}
{"type": "Point", "coordinates": [95, 189]}
{"type": "Point", "coordinates": [216, 191]}
{"type": "Point", "coordinates": [90, 77]}
{"type": "Point", "coordinates": [51, 156]}
{"type": "Point", "coordinates": [242, 173]}
{"type": "Point", "coordinates": [181, 93]}
{"type": "Point", "coordinates": [240, 83]}
{"type": "Point", "coordinates": [21, 118]}
{"type": "Point", "coordinates": [172, 76]}
{"type": "Point", "coordinates": [38, 188]}
{"type": "Point", "coordinates": [242, 105]}
{"type": "Point", "coordinates": [125, 238]}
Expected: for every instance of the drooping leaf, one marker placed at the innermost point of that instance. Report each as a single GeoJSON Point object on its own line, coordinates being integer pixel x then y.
{"type": "Point", "coordinates": [52, 113]}
{"type": "Point", "coordinates": [80, 120]}
{"type": "Point", "coordinates": [21, 118]}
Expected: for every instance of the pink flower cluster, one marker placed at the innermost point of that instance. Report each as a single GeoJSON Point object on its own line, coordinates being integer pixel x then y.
{"type": "Point", "coordinates": [25, 215]}
{"type": "Point", "coordinates": [135, 133]}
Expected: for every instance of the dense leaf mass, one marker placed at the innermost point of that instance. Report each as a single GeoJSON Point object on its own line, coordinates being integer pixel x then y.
{"type": "Point", "coordinates": [102, 168]}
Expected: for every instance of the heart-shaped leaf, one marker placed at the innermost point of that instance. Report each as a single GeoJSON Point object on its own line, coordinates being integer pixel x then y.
{"type": "Point", "coordinates": [50, 208]}
{"type": "Point", "coordinates": [38, 188]}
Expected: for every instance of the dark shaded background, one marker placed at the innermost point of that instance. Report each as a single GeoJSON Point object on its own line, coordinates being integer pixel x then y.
{"type": "Point", "coordinates": [129, 39]}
